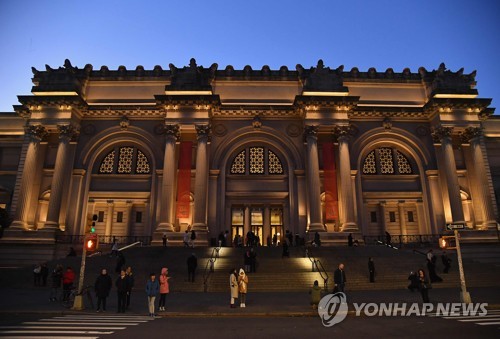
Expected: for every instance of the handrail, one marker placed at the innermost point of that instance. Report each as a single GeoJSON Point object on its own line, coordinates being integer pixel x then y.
{"type": "Point", "coordinates": [120, 249]}
{"type": "Point", "coordinates": [316, 263]}
{"type": "Point", "coordinates": [209, 267]}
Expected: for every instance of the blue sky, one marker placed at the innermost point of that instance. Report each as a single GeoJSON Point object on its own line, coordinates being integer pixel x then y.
{"type": "Point", "coordinates": [353, 33]}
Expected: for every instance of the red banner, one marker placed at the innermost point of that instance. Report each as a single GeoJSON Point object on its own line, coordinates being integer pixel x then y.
{"type": "Point", "coordinates": [184, 179]}
{"type": "Point", "coordinates": [330, 183]}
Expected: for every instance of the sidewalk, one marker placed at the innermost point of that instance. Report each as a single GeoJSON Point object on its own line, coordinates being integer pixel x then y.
{"type": "Point", "coordinates": [36, 300]}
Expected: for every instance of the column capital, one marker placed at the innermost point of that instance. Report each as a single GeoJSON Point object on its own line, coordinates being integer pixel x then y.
{"type": "Point", "coordinates": [471, 134]}
{"type": "Point", "coordinates": [311, 131]}
{"type": "Point", "coordinates": [203, 131]}
{"type": "Point", "coordinates": [172, 131]}
{"type": "Point", "coordinates": [36, 132]}
{"type": "Point", "coordinates": [440, 133]}
{"type": "Point", "coordinates": [342, 132]}
{"type": "Point", "coordinates": [68, 132]}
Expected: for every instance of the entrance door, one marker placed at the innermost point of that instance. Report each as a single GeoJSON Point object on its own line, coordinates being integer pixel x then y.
{"type": "Point", "coordinates": [257, 224]}
{"type": "Point", "coordinates": [276, 216]}
{"type": "Point", "coordinates": [237, 220]}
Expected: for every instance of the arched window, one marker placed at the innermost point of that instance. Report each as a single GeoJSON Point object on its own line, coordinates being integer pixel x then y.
{"type": "Point", "coordinates": [256, 160]}
{"type": "Point", "coordinates": [386, 161]}
{"type": "Point", "coordinates": [130, 160]}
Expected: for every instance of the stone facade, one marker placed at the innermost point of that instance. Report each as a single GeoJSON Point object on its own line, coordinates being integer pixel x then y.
{"type": "Point", "coordinates": [401, 152]}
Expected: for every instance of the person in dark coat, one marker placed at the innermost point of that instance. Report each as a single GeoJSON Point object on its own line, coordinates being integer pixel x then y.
{"type": "Point", "coordinates": [423, 286]}
{"type": "Point", "coordinates": [120, 262]}
{"type": "Point", "coordinates": [446, 262]}
{"type": "Point", "coordinates": [317, 240]}
{"type": "Point", "coordinates": [102, 287]}
{"type": "Point", "coordinates": [339, 278]}
{"type": "Point", "coordinates": [122, 286]}
{"type": "Point", "coordinates": [431, 267]}
{"type": "Point", "coordinates": [371, 269]}
{"type": "Point", "coordinates": [44, 272]}
{"type": "Point", "coordinates": [253, 260]}
{"type": "Point", "coordinates": [56, 276]}
{"type": "Point", "coordinates": [192, 263]}
{"type": "Point", "coordinates": [131, 281]}
{"type": "Point", "coordinates": [388, 239]}
{"type": "Point", "coordinates": [286, 252]}
{"type": "Point", "coordinates": [414, 281]}
{"type": "Point", "coordinates": [349, 240]}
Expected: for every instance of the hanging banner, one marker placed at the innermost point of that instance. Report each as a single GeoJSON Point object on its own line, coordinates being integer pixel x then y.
{"type": "Point", "coordinates": [330, 183]}
{"type": "Point", "coordinates": [184, 179]}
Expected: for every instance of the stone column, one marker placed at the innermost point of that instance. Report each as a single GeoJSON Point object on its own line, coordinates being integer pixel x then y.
{"type": "Point", "coordinates": [129, 218]}
{"type": "Point", "coordinates": [109, 219]}
{"type": "Point", "coordinates": [402, 217]}
{"type": "Point", "coordinates": [169, 173]}
{"type": "Point", "coordinates": [246, 223]}
{"type": "Point", "coordinates": [201, 179]}
{"type": "Point", "coordinates": [342, 133]}
{"type": "Point", "coordinates": [35, 134]}
{"type": "Point", "coordinates": [443, 134]}
{"type": "Point", "coordinates": [313, 183]}
{"type": "Point", "coordinates": [473, 135]}
{"type": "Point", "coordinates": [66, 133]}
{"type": "Point", "coordinates": [266, 232]}
{"type": "Point", "coordinates": [383, 220]}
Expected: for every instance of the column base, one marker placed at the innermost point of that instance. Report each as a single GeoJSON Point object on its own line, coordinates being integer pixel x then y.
{"type": "Point", "coordinates": [20, 225]}
{"type": "Point", "coordinates": [350, 227]}
{"type": "Point", "coordinates": [51, 225]}
{"type": "Point", "coordinates": [199, 227]}
{"type": "Point", "coordinates": [165, 227]}
{"type": "Point", "coordinates": [316, 227]}
{"type": "Point", "coordinates": [17, 235]}
{"type": "Point", "coordinates": [489, 225]}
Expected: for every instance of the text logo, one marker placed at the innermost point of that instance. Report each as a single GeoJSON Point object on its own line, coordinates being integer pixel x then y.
{"type": "Point", "coordinates": [332, 309]}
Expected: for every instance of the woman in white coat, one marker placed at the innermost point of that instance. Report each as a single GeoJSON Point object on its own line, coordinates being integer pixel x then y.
{"type": "Point", "coordinates": [233, 286]}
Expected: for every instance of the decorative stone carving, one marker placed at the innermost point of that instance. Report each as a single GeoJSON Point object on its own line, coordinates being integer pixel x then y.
{"type": "Point", "coordinates": [440, 132]}
{"type": "Point", "coordinates": [220, 130]}
{"type": "Point", "coordinates": [172, 131]}
{"type": "Point", "coordinates": [449, 82]}
{"type": "Point", "coordinates": [293, 130]}
{"type": "Point", "coordinates": [342, 132]}
{"type": "Point", "coordinates": [323, 78]}
{"type": "Point", "coordinates": [203, 131]}
{"type": "Point", "coordinates": [124, 122]}
{"type": "Point", "coordinates": [471, 133]}
{"type": "Point", "coordinates": [36, 132]}
{"type": "Point", "coordinates": [311, 131]}
{"type": "Point", "coordinates": [387, 123]}
{"type": "Point", "coordinates": [256, 122]}
{"type": "Point", "coordinates": [422, 131]}
{"type": "Point", "coordinates": [190, 78]}
{"type": "Point", "coordinates": [67, 131]}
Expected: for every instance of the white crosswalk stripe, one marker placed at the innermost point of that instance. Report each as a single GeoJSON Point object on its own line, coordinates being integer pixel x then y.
{"type": "Point", "coordinates": [72, 326]}
{"type": "Point", "coordinates": [491, 318]}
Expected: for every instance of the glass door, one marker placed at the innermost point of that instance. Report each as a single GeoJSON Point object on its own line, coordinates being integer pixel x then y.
{"type": "Point", "coordinates": [276, 226]}
{"type": "Point", "coordinates": [237, 220]}
{"type": "Point", "coordinates": [256, 225]}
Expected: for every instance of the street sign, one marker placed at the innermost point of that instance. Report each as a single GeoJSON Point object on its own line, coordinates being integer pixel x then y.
{"type": "Point", "coordinates": [456, 226]}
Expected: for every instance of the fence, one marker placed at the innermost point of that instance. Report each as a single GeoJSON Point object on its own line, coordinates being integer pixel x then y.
{"type": "Point", "coordinates": [122, 240]}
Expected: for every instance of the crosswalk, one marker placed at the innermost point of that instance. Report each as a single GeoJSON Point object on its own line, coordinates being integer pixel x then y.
{"type": "Point", "coordinates": [78, 326]}
{"type": "Point", "coordinates": [492, 318]}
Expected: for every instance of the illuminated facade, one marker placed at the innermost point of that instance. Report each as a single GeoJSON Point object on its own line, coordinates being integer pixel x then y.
{"type": "Point", "coordinates": [304, 150]}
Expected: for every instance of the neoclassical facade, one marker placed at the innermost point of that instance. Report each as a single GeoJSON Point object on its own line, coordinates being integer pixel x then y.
{"type": "Point", "coordinates": [318, 149]}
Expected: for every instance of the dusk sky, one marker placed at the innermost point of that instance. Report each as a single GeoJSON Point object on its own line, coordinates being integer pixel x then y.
{"type": "Point", "coordinates": [353, 33]}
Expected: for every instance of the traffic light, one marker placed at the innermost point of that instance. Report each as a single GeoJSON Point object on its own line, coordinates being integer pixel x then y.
{"type": "Point", "coordinates": [447, 242]}
{"type": "Point", "coordinates": [91, 242]}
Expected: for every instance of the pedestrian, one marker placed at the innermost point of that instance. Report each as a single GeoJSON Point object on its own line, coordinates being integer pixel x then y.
{"type": "Point", "coordinates": [247, 260]}
{"type": "Point", "coordinates": [388, 240]}
{"type": "Point", "coordinates": [44, 273]}
{"type": "Point", "coordinates": [152, 289]}
{"type": "Point", "coordinates": [164, 288]}
{"type": "Point", "coordinates": [102, 287]}
{"type": "Point", "coordinates": [37, 275]}
{"type": "Point", "coordinates": [233, 286]}
{"type": "Point", "coordinates": [317, 240]}
{"type": "Point", "coordinates": [193, 238]}
{"type": "Point", "coordinates": [315, 293]}
{"type": "Point", "coordinates": [56, 277]}
{"type": "Point", "coordinates": [339, 278]}
{"type": "Point", "coordinates": [431, 267]}
{"type": "Point", "coordinates": [286, 252]}
{"type": "Point", "coordinates": [121, 290]}
{"type": "Point", "coordinates": [131, 281]}
{"type": "Point", "coordinates": [164, 239]}
{"type": "Point", "coordinates": [120, 262]}
{"type": "Point", "coordinates": [67, 280]}
{"type": "Point", "coordinates": [349, 240]}
{"type": "Point", "coordinates": [242, 287]}
{"type": "Point", "coordinates": [192, 263]}
{"type": "Point", "coordinates": [71, 253]}
{"type": "Point", "coordinates": [446, 262]}
{"type": "Point", "coordinates": [414, 281]}
{"type": "Point", "coordinates": [371, 269]}
{"type": "Point", "coordinates": [424, 285]}
{"type": "Point", "coordinates": [226, 235]}
{"type": "Point", "coordinates": [114, 248]}
{"type": "Point", "coordinates": [253, 260]}
{"type": "Point", "coordinates": [185, 239]}
{"type": "Point", "coordinates": [275, 239]}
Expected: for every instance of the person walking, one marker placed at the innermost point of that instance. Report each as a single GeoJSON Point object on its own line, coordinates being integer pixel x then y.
{"type": "Point", "coordinates": [121, 290]}
{"type": "Point", "coordinates": [164, 288]}
{"type": "Point", "coordinates": [242, 287]}
{"type": "Point", "coordinates": [424, 285]}
{"type": "Point", "coordinates": [233, 286]}
{"type": "Point", "coordinates": [371, 269]}
{"type": "Point", "coordinates": [192, 263]}
{"type": "Point", "coordinates": [152, 289]}
{"type": "Point", "coordinates": [349, 240]}
{"type": "Point", "coordinates": [193, 238]}
{"type": "Point", "coordinates": [253, 260]}
{"type": "Point", "coordinates": [185, 239]}
{"type": "Point", "coordinates": [431, 267]}
{"type": "Point", "coordinates": [339, 278]}
{"type": "Point", "coordinates": [446, 262]}
{"type": "Point", "coordinates": [114, 248]}
{"type": "Point", "coordinates": [247, 260]}
{"type": "Point", "coordinates": [131, 281]}
{"type": "Point", "coordinates": [285, 252]}
{"type": "Point", "coordinates": [315, 293]}
{"type": "Point", "coordinates": [414, 281]}
{"type": "Point", "coordinates": [67, 280]}
{"type": "Point", "coordinates": [102, 287]}
{"type": "Point", "coordinates": [164, 239]}
{"type": "Point", "coordinates": [56, 277]}
{"type": "Point", "coordinates": [44, 272]}
{"type": "Point", "coordinates": [120, 262]}
{"type": "Point", "coordinates": [37, 275]}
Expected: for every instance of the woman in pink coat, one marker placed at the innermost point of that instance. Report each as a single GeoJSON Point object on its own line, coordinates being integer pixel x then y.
{"type": "Point", "coordinates": [163, 287]}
